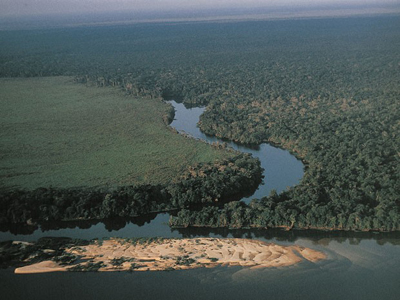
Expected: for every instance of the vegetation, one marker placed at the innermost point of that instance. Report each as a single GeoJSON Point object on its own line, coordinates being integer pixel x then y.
{"type": "Point", "coordinates": [185, 260]}
{"type": "Point", "coordinates": [198, 185]}
{"type": "Point", "coordinates": [327, 90]}
{"type": "Point", "coordinates": [60, 134]}
{"type": "Point", "coordinates": [23, 253]}
{"type": "Point", "coordinates": [53, 248]}
{"type": "Point", "coordinates": [119, 261]}
{"type": "Point", "coordinates": [88, 267]}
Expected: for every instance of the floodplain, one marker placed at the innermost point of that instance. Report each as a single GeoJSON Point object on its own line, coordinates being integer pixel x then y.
{"type": "Point", "coordinates": [58, 133]}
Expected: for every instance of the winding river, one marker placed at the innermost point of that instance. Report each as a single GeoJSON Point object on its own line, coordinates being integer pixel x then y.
{"type": "Point", "coordinates": [281, 169]}
{"type": "Point", "coordinates": [359, 265]}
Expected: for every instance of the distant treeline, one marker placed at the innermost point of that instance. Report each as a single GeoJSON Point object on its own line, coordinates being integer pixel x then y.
{"type": "Point", "coordinates": [204, 183]}
{"type": "Point", "coordinates": [327, 90]}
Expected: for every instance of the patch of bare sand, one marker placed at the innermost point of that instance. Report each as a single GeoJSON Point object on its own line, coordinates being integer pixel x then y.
{"type": "Point", "coordinates": [42, 267]}
{"type": "Point", "coordinates": [168, 254]}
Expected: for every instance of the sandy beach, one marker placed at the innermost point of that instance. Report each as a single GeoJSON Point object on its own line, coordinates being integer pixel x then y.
{"type": "Point", "coordinates": [176, 254]}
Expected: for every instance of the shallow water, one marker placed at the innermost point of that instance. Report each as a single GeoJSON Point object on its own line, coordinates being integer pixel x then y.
{"type": "Point", "coordinates": [281, 170]}
{"type": "Point", "coordinates": [362, 270]}
{"type": "Point", "coordinates": [359, 265]}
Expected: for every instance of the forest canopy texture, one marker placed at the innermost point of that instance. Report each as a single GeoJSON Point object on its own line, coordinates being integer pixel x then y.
{"type": "Point", "coordinates": [327, 90]}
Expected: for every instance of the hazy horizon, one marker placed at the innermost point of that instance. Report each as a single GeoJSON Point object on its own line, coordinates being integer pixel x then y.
{"type": "Point", "coordinates": [21, 8]}
{"type": "Point", "coordinates": [24, 14]}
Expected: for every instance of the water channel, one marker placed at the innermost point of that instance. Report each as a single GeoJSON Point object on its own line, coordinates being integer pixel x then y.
{"type": "Point", "coordinates": [281, 170]}
{"type": "Point", "coordinates": [359, 265]}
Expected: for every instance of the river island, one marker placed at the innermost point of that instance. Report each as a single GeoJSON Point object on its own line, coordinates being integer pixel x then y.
{"type": "Point", "coordinates": [161, 254]}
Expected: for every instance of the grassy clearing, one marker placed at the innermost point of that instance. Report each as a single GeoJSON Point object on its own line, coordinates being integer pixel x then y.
{"type": "Point", "coordinates": [58, 133]}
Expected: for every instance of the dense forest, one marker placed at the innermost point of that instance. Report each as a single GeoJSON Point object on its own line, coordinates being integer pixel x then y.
{"type": "Point", "coordinates": [327, 90]}
{"type": "Point", "coordinates": [201, 184]}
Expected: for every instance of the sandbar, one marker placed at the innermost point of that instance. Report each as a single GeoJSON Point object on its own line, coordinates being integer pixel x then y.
{"type": "Point", "coordinates": [177, 254]}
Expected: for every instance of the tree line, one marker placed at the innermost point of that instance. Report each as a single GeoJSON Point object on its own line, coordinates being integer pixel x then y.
{"type": "Point", "coordinates": [328, 96]}
{"type": "Point", "coordinates": [212, 183]}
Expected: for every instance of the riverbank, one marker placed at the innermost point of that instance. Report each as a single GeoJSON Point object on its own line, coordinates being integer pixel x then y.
{"type": "Point", "coordinates": [175, 254]}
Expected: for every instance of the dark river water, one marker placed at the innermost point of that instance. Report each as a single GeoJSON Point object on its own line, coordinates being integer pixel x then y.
{"type": "Point", "coordinates": [281, 169]}
{"type": "Point", "coordinates": [359, 265]}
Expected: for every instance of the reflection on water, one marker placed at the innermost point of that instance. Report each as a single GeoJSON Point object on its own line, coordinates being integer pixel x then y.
{"type": "Point", "coordinates": [281, 169]}
{"type": "Point", "coordinates": [114, 224]}
{"type": "Point", "coordinates": [360, 265]}
{"type": "Point", "coordinates": [153, 225]}
{"type": "Point", "coordinates": [288, 237]}
{"type": "Point", "coordinates": [363, 271]}
{"type": "Point", "coordinates": [157, 225]}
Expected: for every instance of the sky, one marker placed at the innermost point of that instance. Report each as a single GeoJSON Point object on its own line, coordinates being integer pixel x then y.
{"type": "Point", "coordinates": [16, 8]}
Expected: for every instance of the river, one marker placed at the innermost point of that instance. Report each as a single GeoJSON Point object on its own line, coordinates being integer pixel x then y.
{"type": "Point", "coordinates": [281, 169]}
{"type": "Point", "coordinates": [359, 265]}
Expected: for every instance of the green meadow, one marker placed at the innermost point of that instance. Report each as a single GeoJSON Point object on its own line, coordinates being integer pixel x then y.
{"type": "Point", "coordinates": [58, 133]}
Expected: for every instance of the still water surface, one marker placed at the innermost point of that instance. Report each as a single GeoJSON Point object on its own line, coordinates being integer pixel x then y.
{"type": "Point", "coordinates": [355, 269]}
{"type": "Point", "coordinates": [359, 265]}
{"type": "Point", "coordinates": [281, 169]}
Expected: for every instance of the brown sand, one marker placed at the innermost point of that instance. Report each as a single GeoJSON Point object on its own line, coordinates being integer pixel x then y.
{"type": "Point", "coordinates": [42, 267]}
{"type": "Point", "coordinates": [168, 254]}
